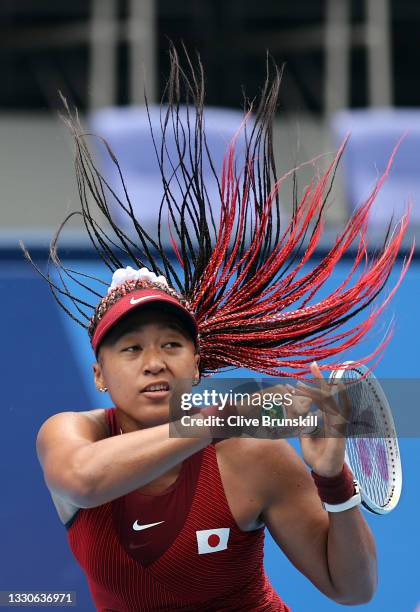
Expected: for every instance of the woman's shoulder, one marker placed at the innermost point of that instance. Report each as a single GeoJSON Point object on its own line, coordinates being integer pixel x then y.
{"type": "Point", "coordinates": [256, 456]}
{"type": "Point", "coordinates": [252, 470]}
{"type": "Point", "coordinates": [91, 422]}
{"type": "Point", "coordinates": [256, 449]}
{"type": "Point", "coordinates": [94, 421]}
{"type": "Point", "coordinates": [98, 416]}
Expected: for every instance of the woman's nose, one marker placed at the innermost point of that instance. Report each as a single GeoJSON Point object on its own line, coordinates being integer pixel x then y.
{"type": "Point", "coordinates": [153, 361]}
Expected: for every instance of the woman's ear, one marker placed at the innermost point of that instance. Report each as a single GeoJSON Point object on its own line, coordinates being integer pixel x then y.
{"type": "Point", "coordinates": [98, 376]}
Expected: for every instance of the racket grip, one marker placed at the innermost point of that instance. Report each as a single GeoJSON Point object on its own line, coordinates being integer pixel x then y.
{"type": "Point", "coordinates": [336, 489]}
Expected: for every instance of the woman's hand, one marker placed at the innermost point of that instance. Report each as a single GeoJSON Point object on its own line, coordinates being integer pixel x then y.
{"type": "Point", "coordinates": [323, 453]}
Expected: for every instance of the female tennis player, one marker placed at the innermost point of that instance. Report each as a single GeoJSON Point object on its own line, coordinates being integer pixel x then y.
{"type": "Point", "coordinates": [169, 523]}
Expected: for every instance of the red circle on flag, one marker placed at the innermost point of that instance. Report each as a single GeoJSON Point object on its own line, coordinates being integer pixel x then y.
{"type": "Point", "coordinates": [213, 540]}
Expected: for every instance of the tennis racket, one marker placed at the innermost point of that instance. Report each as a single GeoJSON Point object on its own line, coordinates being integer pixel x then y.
{"type": "Point", "coordinates": [374, 460]}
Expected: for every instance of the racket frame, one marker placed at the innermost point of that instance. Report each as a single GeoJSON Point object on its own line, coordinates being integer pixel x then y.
{"type": "Point", "coordinates": [392, 449]}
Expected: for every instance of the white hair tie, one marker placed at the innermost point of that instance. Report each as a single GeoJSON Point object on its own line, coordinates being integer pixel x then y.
{"type": "Point", "coordinates": [122, 275]}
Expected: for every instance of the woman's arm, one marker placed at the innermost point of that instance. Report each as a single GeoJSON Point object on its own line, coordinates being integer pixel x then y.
{"type": "Point", "coordinates": [88, 470]}
{"type": "Point", "coordinates": [336, 551]}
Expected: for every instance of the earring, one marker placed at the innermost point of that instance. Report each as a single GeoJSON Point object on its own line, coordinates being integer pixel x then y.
{"type": "Point", "coordinates": [103, 389]}
{"type": "Point", "coordinates": [195, 381]}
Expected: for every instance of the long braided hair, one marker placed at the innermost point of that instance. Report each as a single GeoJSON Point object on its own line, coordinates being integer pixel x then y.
{"type": "Point", "coordinates": [240, 273]}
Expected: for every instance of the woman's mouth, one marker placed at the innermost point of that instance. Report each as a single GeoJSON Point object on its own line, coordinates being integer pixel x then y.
{"type": "Point", "coordinates": [156, 391]}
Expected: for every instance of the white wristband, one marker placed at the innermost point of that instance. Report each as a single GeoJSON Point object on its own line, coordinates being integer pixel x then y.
{"type": "Point", "coordinates": [356, 500]}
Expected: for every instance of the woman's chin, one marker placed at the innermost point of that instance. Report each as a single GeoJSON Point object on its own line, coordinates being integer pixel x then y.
{"type": "Point", "coordinates": [151, 416]}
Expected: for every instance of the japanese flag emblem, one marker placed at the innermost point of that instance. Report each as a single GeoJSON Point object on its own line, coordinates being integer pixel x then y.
{"type": "Point", "coordinates": [212, 540]}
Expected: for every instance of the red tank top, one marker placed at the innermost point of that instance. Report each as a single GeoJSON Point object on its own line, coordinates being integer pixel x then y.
{"type": "Point", "coordinates": [180, 550]}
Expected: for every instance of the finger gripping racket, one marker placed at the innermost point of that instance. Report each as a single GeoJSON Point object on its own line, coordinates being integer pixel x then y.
{"type": "Point", "coordinates": [375, 459]}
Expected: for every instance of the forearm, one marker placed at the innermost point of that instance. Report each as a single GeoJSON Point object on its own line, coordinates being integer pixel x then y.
{"type": "Point", "coordinates": [351, 555]}
{"type": "Point", "coordinates": [117, 465]}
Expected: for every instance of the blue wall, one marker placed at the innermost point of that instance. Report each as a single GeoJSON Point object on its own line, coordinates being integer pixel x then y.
{"type": "Point", "coordinates": [46, 368]}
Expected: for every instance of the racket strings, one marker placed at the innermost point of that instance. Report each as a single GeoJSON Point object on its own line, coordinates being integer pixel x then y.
{"type": "Point", "coordinates": [373, 456]}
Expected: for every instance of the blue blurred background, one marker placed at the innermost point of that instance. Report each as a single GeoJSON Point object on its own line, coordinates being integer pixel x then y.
{"type": "Point", "coordinates": [350, 66]}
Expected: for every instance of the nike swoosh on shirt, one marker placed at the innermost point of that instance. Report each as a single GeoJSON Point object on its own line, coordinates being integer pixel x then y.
{"type": "Point", "coordinates": [140, 299]}
{"type": "Point", "coordinates": [138, 527]}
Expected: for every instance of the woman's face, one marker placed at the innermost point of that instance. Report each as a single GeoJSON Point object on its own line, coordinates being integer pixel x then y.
{"type": "Point", "coordinates": [152, 348]}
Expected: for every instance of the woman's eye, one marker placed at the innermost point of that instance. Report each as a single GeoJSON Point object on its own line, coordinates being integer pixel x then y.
{"type": "Point", "coordinates": [132, 349]}
{"type": "Point", "coordinates": [173, 344]}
